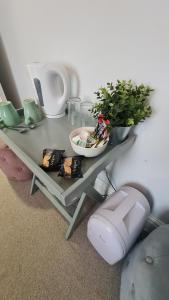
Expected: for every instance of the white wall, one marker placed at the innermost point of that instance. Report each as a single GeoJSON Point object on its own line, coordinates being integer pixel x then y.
{"type": "Point", "coordinates": [103, 41]}
{"type": "Point", "coordinates": [2, 95]}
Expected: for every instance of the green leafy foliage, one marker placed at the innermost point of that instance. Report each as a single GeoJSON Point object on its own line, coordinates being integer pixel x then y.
{"type": "Point", "coordinates": [124, 103]}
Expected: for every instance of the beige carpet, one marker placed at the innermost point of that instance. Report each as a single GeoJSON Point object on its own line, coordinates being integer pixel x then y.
{"type": "Point", "coordinates": [36, 263]}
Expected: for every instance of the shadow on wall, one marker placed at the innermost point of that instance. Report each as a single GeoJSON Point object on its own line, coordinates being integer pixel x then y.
{"type": "Point", "coordinates": [6, 77]}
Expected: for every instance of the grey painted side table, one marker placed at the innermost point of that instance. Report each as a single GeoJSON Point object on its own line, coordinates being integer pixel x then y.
{"type": "Point", "coordinates": [63, 193]}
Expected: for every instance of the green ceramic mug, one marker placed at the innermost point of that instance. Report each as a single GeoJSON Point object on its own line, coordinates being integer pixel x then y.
{"type": "Point", "coordinates": [32, 112]}
{"type": "Point", "coordinates": [8, 114]}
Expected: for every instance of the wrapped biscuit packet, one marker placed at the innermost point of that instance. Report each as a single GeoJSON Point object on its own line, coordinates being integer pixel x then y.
{"type": "Point", "coordinates": [71, 167]}
{"type": "Point", "coordinates": [52, 159]}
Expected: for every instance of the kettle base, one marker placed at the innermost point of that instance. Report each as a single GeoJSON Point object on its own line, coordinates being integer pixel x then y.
{"type": "Point", "coordinates": [55, 116]}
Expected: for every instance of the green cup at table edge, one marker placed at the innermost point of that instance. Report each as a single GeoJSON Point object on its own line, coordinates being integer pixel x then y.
{"type": "Point", "coordinates": [32, 112]}
{"type": "Point", "coordinates": [8, 114]}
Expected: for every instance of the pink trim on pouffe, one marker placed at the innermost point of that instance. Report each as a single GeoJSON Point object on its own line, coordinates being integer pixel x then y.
{"type": "Point", "coordinates": [12, 166]}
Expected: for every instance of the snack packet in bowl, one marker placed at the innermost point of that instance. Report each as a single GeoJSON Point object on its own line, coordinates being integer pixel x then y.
{"type": "Point", "coordinates": [95, 138]}
{"type": "Point", "coordinates": [81, 139]}
{"type": "Point", "coordinates": [91, 141]}
{"type": "Point", "coordinates": [101, 130]}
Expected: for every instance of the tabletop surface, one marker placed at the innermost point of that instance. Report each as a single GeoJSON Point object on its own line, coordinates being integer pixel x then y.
{"type": "Point", "coordinates": [50, 133]}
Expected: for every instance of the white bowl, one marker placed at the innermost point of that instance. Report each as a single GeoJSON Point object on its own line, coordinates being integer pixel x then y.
{"type": "Point", "coordinates": [87, 152]}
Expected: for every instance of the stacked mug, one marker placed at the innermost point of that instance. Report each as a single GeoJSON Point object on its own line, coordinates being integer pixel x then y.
{"type": "Point", "coordinates": [10, 117]}
{"type": "Point", "coordinates": [8, 114]}
{"type": "Point", "coordinates": [32, 112]}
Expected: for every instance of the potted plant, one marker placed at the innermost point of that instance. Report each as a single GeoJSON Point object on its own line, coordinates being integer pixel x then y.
{"type": "Point", "coordinates": [124, 104]}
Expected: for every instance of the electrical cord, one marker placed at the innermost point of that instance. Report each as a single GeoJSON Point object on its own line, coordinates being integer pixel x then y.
{"type": "Point", "coordinates": [110, 182]}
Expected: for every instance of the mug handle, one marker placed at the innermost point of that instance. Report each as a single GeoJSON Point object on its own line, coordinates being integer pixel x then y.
{"type": "Point", "coordinates": [29, 121]}
{"type": "Point", "coordinates": [2, 125]}
{"type": "Point", "coordinates": [39, 110]}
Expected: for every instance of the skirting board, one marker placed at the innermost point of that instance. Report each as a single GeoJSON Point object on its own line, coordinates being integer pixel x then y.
{"type": "Point", "coordinates": [152, 223]}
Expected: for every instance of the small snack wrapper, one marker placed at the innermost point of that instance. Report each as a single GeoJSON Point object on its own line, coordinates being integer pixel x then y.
{"type": "Point", "coordinates": [91, 141]}
{"type": "Point", "coordinates": [71, 167]}
{"type": "Point", "coordinates": [77, 140]}
{"type": "Point", "coordinates": [81, 139]}
{"type": "Point", "coordinates": [101, 131]}
{"type": "Point", "coordinates": [52, 159]}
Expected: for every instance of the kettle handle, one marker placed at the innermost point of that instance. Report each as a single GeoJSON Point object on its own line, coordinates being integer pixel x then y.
{"type": "Point", "coordinates": [38, 90]}
{"type": "Point", "coordinates": [61, 70]}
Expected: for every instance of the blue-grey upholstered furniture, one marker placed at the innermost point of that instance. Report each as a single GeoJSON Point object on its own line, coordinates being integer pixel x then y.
{"type": "Point", "coordinates": [145, 273]}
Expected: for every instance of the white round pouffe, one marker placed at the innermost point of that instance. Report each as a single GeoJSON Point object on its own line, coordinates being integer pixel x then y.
{"type": "Point", "coordinates": [117, 223]}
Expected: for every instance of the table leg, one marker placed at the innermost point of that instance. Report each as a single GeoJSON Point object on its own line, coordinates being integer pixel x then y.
{"type": "Point", "coordinates": [34, 188]}
{"type": "Point", "coordinates": [75, 216]}
{"type": "Point", "coordinates": [72, 219]}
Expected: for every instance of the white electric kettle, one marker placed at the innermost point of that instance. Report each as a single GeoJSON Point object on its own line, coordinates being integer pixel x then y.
{"type": "Point", "coordinates": [52, 87]}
